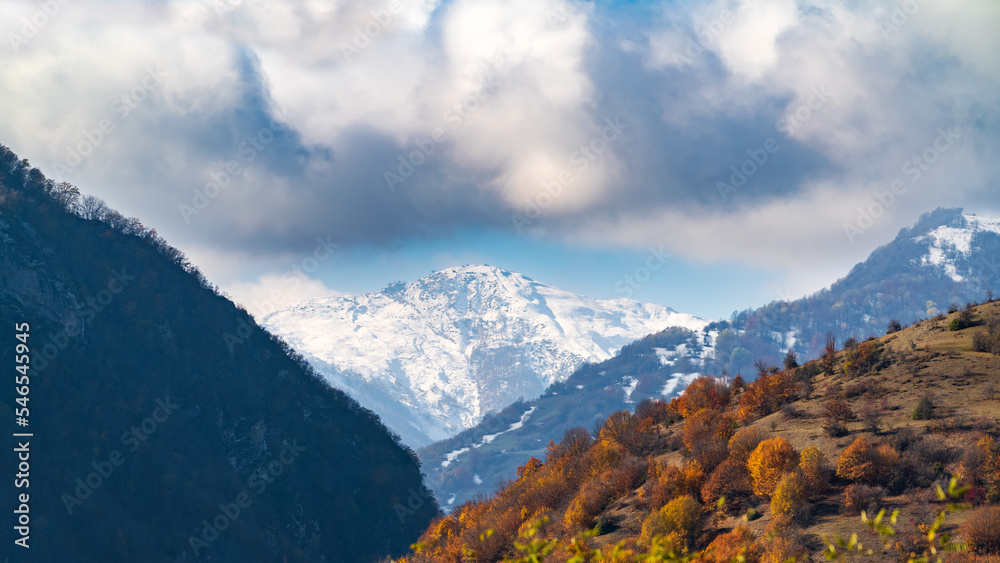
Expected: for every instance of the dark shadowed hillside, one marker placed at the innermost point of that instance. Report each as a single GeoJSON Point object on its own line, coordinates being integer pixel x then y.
{"type": "Point", "coordinates": [166, 425]}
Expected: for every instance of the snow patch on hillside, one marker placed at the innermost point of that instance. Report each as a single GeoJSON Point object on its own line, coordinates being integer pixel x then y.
{"type": "Point", "coordinates": [678, 382]}
{"type": "Point", "coordinates": [948, 240]}
{"type": "Point", "coordinates": [630, 384]}
{"type": "Point", "coordinates": [490, 437]}
{"type": "Point", "coordinates": [452, 456]}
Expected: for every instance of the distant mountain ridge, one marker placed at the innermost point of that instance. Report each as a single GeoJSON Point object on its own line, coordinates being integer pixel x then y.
{"type": "Point", "coordinates": [433, 356]}
{"type": "Point", "coordinates": [947, 258]}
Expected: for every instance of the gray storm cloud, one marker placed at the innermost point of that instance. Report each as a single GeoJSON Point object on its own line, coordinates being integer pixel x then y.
{"type": "Point", "coordinates": [733, 130]}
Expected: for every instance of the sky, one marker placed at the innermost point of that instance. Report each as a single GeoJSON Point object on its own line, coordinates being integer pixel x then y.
{"type": "Point", "coordinates": [706, 155]}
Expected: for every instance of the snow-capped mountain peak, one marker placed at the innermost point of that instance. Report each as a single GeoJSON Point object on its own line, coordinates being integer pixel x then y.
{"type": "Point", "coordinates": [951, 242]}
{"type": "Point", "coordinates": [433, 356]}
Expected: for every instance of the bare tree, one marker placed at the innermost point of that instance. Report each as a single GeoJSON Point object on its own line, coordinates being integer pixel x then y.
{"type": "Point", "coordinates": [93, 208]}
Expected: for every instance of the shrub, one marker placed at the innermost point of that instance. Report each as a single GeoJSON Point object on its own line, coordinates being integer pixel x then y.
{"type": "Point", "coordinates": [790, 411]}
{"type": "Point", "coordinates": [857, 388]}
{"type": "Point", "coordinates": [861, 358]}
{"type": "Point", "coordinates": [981, 531]}
{"type": "Point", "coordinates": [989, 390]}
{"type": "Point", "coordinates": [790, 494]}
{"type": "Point", "coordinates": [924, 409]}
{"type": "Point", "coordinates": [768, 462]}
{"type": "Point", "coordinates": [626, 477]}
{"type": "Point", "coordinates": [965, 316]}
{"type": "Point", "coordinates": [816, 470]}
{"type": "Point", "coordinates": [982, 466]}
{"type": "Point", "coordinates": [860, 497]}
{"type": "Point", "coordinates": [835, 429]}
{"type": "Point", "coordinates": [837, 410]}
{"type": "Point", "coordinates": [975, 496]}
{"type": "Point", "coordinates": [667, 482]}
{"type": "Point", "coordinates": [681, 517]}
{"type": "Point", "coordinates": [730, 480]}
{"type": "Point", "coordinates": [781, 549]}
{"type": "Point", "coordinates": [986, 341]}
{"type": "Point", "coordinates": [745, 441]}
{"type": "Point", "coordinates": [872, 414]}
{"type": "Point", "coordinates": [861, 461]}
{"type": "Point", "coordinates": [738, 544]}
{"type": "Point", "coordinates": [791, 360]}
{"type": "Point", "coordinates": [932, 450]}
{"type": "Point", "coordinates": [575, 442]}
{"type": "Point", "coordinates": [588, 503]}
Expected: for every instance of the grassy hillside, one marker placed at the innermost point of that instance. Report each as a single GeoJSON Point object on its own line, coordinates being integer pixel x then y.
{"type": "Point", "coordinates": [766, 470]}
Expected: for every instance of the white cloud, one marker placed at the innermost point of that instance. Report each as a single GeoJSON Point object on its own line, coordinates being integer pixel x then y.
{"type": "Point", "coordinates": [749, 46]}
{"type": "Point", "coordinates": [271, 292]}
{"type": "Point", "coordinates": [560, 68]}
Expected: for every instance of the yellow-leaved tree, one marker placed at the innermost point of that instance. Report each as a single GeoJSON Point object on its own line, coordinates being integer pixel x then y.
{"type": "Point", "coordinates": [768, 462]}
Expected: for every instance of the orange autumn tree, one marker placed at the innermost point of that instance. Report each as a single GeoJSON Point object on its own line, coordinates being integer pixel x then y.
{"type": "Point", "coordinates": [667, 482]}
{"type": "Point", "coordinates": [864, 462]}
{"type": "Point", "coordinates": [739, 544]}
{"type": "Point", "coordinates": [765, 395]}
{"type": "Point", "coordinates": [704, 393]}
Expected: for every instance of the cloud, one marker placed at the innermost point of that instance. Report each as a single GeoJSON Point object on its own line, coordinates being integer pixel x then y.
{"type": "Point", "coordinates": [485, 110]}
{"type": "Point", "coordinates": [270, 292]}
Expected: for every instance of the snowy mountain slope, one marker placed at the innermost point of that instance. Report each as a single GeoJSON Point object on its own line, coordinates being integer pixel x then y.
{"type": "Point", "coordinates": [952, 243]}
{"type": "Point", "coordinates": [433, 356]}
